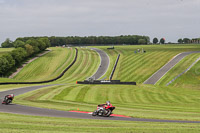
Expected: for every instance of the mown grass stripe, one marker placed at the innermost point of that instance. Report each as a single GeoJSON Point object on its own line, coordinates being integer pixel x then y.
{"type": "Point", "coordinates": [81, 95]}
{"type": "Point", "coordinates": [63, 93]}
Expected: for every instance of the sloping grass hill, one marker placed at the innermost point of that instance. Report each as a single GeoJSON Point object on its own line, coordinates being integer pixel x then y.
{"type": "Point", "coordinates": [140, 66]}
{"type": "Point", "coordinates": [52, 64]}
{"type": "Point", "coordinates": [187, 80]}
{"type": "Point", "coordinates": [48, 66]}
{"type": "Point", "coordinates": [86, 65]}
{"type": "Point", "coordinates": [191, 79]}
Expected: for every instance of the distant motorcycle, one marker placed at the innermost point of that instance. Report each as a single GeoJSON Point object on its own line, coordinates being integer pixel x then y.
{"type": "Point", "coordinates": [8, 99]}
{"type": "Point", "coordinates": [102, 110]}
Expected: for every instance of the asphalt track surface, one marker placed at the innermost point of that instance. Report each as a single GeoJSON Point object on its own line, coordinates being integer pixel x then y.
{"type": "Point", "coordinates": [103, 67]}
{"type": "Point", "coordinates": [161, 72]}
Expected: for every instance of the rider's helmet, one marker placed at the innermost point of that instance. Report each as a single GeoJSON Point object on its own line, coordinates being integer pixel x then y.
{"type": "Point", "coordinates": [12, 95]}
{"type": "Point", "coordinates": [108, 102]}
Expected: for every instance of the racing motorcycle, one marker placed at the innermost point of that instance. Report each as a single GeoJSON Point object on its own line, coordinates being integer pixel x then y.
{"type": "Point", "coordinates": [8, 99]}
{"type": "Point", "coordinates": [102, 110]}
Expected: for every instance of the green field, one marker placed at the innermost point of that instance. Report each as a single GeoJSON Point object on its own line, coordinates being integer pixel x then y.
{"type": "Point", "coordinates": [179, 101]}
{"type": "Point", "coordinates": [21, 123]}
{"type": "Point", "coordinates": [187, 80]}
{"type": "Point", "coordinates": [34, 124]}
{"type": "Point", "coordinates": [5, 50]}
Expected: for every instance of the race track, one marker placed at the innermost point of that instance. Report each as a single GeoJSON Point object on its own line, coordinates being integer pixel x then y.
{"type": "Point", "coordinates": [103, 65]}
{"type": "Point", "coordinates": [26, 110]}
{"type": "Point", "coordinates": [161, 72]}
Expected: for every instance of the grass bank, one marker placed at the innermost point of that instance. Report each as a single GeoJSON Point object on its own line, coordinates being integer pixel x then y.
{"type": "Point", "coordinates": [32, 124]}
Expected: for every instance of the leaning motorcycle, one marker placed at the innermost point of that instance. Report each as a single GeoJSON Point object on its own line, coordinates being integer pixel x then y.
{"type": "Point", "coordinates": [7, 100]}
{"type": "Point", "coordinates": [103, 111]}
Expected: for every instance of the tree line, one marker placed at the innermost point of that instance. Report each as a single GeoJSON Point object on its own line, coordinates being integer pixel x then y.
{"type": "Point", "coordinates": [187, 40]}
{"type": "Point", "coordinates": [89, 40]}
{"type": "Point", "coordinates": [23, 50]}
{"type": "Point", "coordinates": [100, 40]}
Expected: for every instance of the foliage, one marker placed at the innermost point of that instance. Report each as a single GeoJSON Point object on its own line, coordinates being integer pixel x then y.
{"type": "Point", "coordinates": [22, 51]}
{"type": "Point", "coordinates": [93, 40]}
{"type": "Point", "coordinates": [186, 40]}
{"type": "Point", "coordinates": [162, 40]}
{"type": "Point", "coordinates": [19, 43]}
{"type": "Point", "coordinates": [29, 49]}
{"type": "Point", "coordinates": [155, 40]}
{"type": "Point", "coordinates": [180, 40]}
{"type": "Point", "coordinates": [142, 41]}
{"type": "Point", "coordinates": [7, 43]}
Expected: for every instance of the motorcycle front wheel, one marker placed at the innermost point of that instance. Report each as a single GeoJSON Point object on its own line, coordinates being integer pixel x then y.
{"type": "Point", "coordinates": [94, 113]}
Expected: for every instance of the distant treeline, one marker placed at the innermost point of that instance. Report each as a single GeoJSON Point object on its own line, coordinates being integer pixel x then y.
{"type": "Point", "coordinates": [89, 40]}
{"type": "Point", "coordinates": [23, 50]}
{"type": "Point", "coordinates": [100, 40]}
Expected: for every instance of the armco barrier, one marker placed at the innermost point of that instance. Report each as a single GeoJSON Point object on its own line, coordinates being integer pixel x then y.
{"type": "Point", "coordinates": [46, 81]}
{"type": "Point", "coordinates": [114, 67]}
{"type": "Point", "coordinates": [106, 82]}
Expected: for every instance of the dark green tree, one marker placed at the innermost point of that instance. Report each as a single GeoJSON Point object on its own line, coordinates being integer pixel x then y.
{"type": "Point", "coordinates": [180, 40]}
{"type": "Point", "coordinates": [19, 54]}
{"type": "Point", "coordinates": [34, 43]}
{"type": "Point", "coordinates": [19, 43]}
{"type": "Point", "coordinates": [155, 40]}
{"type": "Point", "coordinates": [3, 65]}
{"type": "Point", "coordinates": [7, 43]}
{"type": "Point", "coordinates": [142, 41]}
{"type": "Point", "coordinates": [29, 49]}
{"type": "Point", "coordinates": [162, 40]}
{"type": "Point", "coordinates": [186, 40]}
{"type": "Point", "coordinates": [11, 61]}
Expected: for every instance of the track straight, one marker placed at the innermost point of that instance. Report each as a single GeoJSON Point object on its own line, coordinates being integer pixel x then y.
{"type": "Point", "coordinates": [161, 72]}
{"type": "Point", "coordinates": [103, 67]}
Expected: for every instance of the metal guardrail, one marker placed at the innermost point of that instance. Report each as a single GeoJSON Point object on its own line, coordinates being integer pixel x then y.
{"type": "Point", "coordinates": [111, 75]}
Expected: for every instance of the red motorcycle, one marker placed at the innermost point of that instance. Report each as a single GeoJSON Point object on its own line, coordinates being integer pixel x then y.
{"type": "Point", "coordinates": [8, 99]}
{"type": "Point", "coordinates": [102, 110]}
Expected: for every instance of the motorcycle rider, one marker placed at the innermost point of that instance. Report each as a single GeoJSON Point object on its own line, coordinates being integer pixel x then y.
{"type": "Point", "coordinates": [106, 105]}
{"type": "Point", "coordinates": [8, 96]}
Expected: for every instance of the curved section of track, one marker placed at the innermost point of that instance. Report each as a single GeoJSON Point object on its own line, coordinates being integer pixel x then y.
{"type": "Point", "coordinates": [26, 110]}
{"type": "Point", "coordinates": [161, 72]}
{"type": "Point", "coordinates": [103, 67]}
